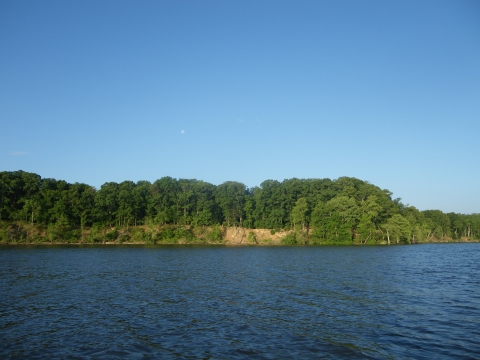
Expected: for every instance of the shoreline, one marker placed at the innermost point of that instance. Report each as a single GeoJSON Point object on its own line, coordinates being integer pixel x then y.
{"type": "Point", "coordinates": [32, 234]}
{"type": "Point", "coordinates": [221, 244]}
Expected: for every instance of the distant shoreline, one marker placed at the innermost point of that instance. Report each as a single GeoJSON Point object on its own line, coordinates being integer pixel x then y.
{"type": "Point", "coordinates": [20, 233]}
{"type": "Point", "coordinates": [231, 237]}
{"type": "Point", "coordinates": [343, 211]}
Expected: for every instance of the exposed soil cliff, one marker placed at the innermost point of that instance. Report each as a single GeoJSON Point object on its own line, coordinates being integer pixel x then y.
{"type": "Point", "coordinates": [243, 236]}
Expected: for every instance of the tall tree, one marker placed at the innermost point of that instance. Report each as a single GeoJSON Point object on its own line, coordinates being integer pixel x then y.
{"type": "Point", "coordinates": [398, 228]}
{"type": "Point", "coordinates": [230, 196]}
{"type": "Point", "coordinates": [300, 212]}
{"type": "Point", "coordinates": [369, 210]}
{"type": "Point", "coordinates": [106, 203]}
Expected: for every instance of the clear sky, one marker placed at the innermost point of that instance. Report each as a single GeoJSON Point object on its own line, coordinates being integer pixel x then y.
{"type": "Point", "coordinates": [384, 91]}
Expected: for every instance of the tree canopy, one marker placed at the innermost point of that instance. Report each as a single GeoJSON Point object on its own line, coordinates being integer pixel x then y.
{"type": "Point", "coordinates": [345, 210]}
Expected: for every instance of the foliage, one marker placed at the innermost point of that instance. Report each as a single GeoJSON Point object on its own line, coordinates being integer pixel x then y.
{"type": "Point", "coordinates": [342, 211]}
{"type": "Point", "coordinates": [398, 228]}
{"type": "Point", "coordinates": [251, 238]}
{"type": "Point", "coordinates": [214, 235]}
{"type": "Point", "coordinates": [290, 239]}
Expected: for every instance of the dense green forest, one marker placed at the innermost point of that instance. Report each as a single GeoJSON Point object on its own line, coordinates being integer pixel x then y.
{"type": "Point", "coordinates": [314, 211]}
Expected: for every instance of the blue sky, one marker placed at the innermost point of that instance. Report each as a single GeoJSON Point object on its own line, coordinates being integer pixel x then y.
{"type": "Point", "coordinates": [384, 91]}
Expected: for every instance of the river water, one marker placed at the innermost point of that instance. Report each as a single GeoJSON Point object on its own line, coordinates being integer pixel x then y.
{"type": "Point", "coordinates": [379, 302]}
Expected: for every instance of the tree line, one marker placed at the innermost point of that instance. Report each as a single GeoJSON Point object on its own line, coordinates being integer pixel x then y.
{"type": "Point", "coordinates": [345, 210]}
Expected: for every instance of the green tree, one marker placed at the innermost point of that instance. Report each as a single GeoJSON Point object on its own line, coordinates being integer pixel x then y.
{"type": "Point", "coordinates": [126, 208]}
{"type": "Point", "coordinates": [185, 199]}
{"type": "Point", "coordinates": [163, 206]}
{"type": "Point", "coordinates": [82, 199]}
{"type": "Point", "coordinates": [398, 228]}
{"type": "Point", "coordinates": [344, 213]}
{"type": "Point", "coordinates": [369, 210]}
{"type": "Point", "coordinates": [441, 222]}
{"type": "Point", "coordinates": [141, 199]}
{"type": "Point", "coordinates": [249, 211]}
{"type": "Point", "coordinates": [300, 213]}
{"type": "Point", "coordinates": [32, 207]}
{"type": "Point", "coordinates": [230, 197]}
{"type": "Point", "coordinates": [335, 220]}
{"type": "Point", "coordinates": [106, 203]}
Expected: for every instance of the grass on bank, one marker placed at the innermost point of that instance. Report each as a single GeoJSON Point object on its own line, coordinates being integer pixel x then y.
{"type": "Point", "coordinates": [26, 233]}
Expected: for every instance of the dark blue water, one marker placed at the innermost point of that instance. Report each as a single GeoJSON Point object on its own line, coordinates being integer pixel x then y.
{"type": "Point", "coordinates": [394, 302]}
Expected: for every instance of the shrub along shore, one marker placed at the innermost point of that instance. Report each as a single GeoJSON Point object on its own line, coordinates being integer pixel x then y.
{"type": "Point", "coordinates": [22, 233]}
{"type": "Point", "coordinates": [35, 210]}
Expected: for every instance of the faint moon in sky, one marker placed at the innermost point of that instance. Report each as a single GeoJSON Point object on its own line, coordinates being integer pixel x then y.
{"type": "Point", "coordinates": [183, 131]}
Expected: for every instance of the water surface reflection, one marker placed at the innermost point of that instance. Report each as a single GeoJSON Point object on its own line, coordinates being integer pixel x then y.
{"type": "Point", "coordinates": [246, 302]}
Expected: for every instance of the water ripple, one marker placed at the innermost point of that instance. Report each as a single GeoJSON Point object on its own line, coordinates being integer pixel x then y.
{"type": "Point", "coordinates": [394, 302]}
